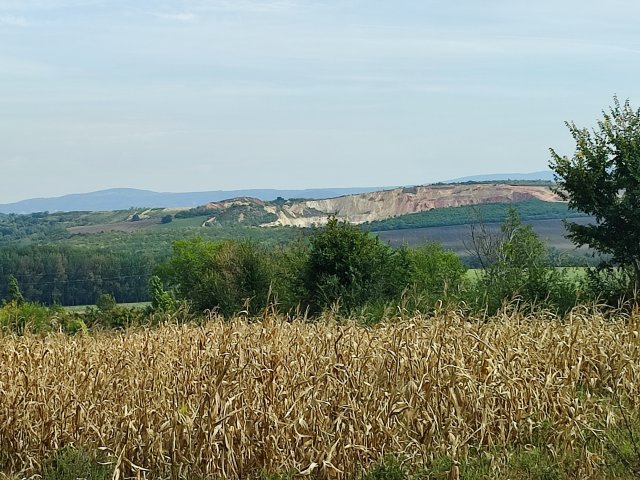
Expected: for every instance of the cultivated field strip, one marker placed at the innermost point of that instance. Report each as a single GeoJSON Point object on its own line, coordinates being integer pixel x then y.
{"type": "Point", "coordinates": [232, 400]}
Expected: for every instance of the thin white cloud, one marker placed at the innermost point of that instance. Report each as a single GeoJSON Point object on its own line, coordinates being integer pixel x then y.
{"type": "Point", "coordinates": [177, 17]}
{"type": "Point", "coordinates": [36, 5]}
{"type": "Point", "coordinates": [13, 21]}
{"type": "Point", "coordinates": [11, 162]}
{"type": "Point", "coordinates": [16, 67]}
{"type": "Point", "coordinates": [446, 44]}
{"type": "Point", "coordinates": [249, 6]}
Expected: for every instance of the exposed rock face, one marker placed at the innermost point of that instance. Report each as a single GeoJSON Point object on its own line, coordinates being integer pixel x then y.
{"type": "Point", "coordinates": [234, 202]}
{"type": "Point", "coordinates": [368, 207]}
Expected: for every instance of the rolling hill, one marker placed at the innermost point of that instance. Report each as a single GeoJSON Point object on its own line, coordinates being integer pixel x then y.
{"type": "Point", "coordinates": [546, 175]}
{"type": "Point", "coordinates": [376, 206]}
{"type": "Point", "coordinates": [383, 210]}
{"type": "Point", "coordinates": [126, 198]}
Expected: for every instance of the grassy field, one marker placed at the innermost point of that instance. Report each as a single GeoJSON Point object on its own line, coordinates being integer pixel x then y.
{"type": "Point", "coordinates": [81, 308]}
{"type": "Point", "coordinates": [448, 396]}
{"type": "Point", "coordinates": [530, 210]}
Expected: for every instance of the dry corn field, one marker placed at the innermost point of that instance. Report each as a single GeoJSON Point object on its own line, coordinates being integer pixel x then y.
{"type": "Point", "coordinates": [234, 399]}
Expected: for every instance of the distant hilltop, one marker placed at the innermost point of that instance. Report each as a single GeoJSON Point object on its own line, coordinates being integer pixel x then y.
{"type": "Point", "coordinates": [359, 208]}
{"type": "Point", "coordinates": [126, 198]}
{"type": "Point", "coordinates": [374, 206]}
{"type": "Point", "coordinates": [546, 175]}
{"type": "Point", "coordinates": [406, 204]}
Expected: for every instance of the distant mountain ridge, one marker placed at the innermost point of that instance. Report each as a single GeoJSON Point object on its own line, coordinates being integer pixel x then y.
{"type": "Point", "coordinates": [358, 208]}
{"type": "Point", "coordinates": [541, 175]}
{"type": "Point", "coordinates": [125, 198]}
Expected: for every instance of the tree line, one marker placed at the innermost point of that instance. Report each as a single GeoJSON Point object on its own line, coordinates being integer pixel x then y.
{"type": "Point", "coordinates": [67, 275]}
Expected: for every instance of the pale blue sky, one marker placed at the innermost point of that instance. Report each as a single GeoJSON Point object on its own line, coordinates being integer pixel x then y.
{"type": "Point", "coordinates": [227, 94]}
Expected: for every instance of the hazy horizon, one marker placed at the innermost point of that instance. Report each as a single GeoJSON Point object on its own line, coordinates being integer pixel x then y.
{"type": "Point", "coordinates": [500, 176]}
{"type": "Point", "coordinates": [199, 95]}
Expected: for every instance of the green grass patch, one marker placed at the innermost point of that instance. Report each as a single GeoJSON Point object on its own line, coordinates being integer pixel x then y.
{"type": "Point", "coordinates": [82, 308]}
{"type": "Point", "coordinates": [180, 224]}
{"type": "Point", "coordinates": [77, 463]}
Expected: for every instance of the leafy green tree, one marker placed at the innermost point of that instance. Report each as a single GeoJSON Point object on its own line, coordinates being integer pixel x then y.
{"type": "Point", "coordinates": [15, 295]}
{"type": "Point", "coordinates": [603, 179]}
{"type": "Point", "coordinates": [287, 266]}
{"type": "Point", "coordinates": [519, 268]}
{"type": "Point", "coordinates": [229, 276]}
{"type": "Point", "coordinates": [351, 267]}
{"type": "Point", "coordinates": [160, 299]}
{"type": "Point", "coordinates": [106, 303]}
{"type": "Point", "coordinates": [435, 272]}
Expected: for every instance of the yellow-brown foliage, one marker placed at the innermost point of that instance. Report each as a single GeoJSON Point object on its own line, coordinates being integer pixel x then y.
{"type": "Point", "coordinates": [235, 399]}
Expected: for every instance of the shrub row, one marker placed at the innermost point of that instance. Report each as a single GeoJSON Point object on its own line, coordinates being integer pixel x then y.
{"type": "Point", "coordinates": [339, 267]}
{"type": "Point", "coordinates": [352, 272]}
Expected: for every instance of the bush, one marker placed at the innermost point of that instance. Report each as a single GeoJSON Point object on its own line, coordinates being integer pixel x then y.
{"type": "Point", "coordinates": [349, 267]}
{"type": "Point", "coordinates": [287, 267]}
{"type": "Point", "coordinates": [106, 303]}
{"type": "Point", "coordinates": [116, 317]}
{"type": "Point", "coordinates": [612, 286]}
{"type": "Point", "coordinates": [74, 463]}
{"type": "Point", "coordinates": [15, 295]}
{"type": "Point", "coordinates": [25, 317]}
{"type": "Point", "coordinates": [161, 300]}
{"type": "Point", "coordinates": [434, 275]}
{"type": "Point", "coordinates": [227, 276]}
{"type": "Point", "coordinates": [74, 325]}
{"type": "Point", "coordinates": [520, 270]}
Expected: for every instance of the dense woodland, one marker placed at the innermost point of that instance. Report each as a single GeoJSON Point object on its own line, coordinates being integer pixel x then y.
{"type": "Point", "coordinates": [68, 275]}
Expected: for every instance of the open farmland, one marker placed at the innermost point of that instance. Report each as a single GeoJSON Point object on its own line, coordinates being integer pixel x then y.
{"type": "Point", "coordinates": [238, 399]}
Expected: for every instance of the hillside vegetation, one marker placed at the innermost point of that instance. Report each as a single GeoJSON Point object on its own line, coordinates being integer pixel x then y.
{"type": "Point", "coordinates": [529, 210]}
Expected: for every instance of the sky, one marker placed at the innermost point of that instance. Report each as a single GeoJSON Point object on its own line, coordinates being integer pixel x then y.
{"type": "Point", "coordinates": [194, 95]}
